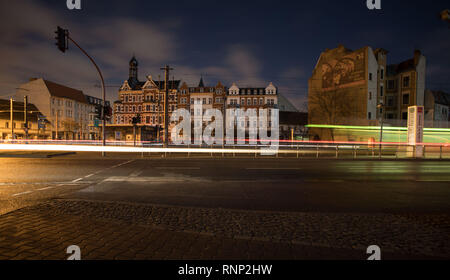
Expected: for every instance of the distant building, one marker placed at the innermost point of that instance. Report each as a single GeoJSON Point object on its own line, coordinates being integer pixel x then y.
{"type": "Point", "coordinates": [252, 98]}
{"type": "Point", "coordinates": [437, 108]}
{"type": "Point", "coordinates": [144, 99]}
{"type": "Point", "coordinates": [38, 128]}
{"type": "Point", "coordinates": [405, 87]}
{"type": "Point", "coordinates": [65, 108]}
{"type": "Point", "coordinates": [347, 87]}
{"type": "Point", "coordinates": [95, 117]}
{"type": "Point", "coordinates": [210, 97]}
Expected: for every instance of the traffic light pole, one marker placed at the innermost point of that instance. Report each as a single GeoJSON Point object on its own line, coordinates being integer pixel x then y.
{"type": "Point", "coordinates": [103, 91]}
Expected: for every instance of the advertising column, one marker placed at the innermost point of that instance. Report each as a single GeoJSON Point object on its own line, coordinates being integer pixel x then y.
{"type": "Point", "coordinates": [415, 131]}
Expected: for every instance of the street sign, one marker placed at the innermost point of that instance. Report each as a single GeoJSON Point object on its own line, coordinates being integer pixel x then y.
{"type": "Point", "coordinates": [415, 131]}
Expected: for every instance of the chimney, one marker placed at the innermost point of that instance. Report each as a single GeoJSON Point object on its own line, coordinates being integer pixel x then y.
{"type": "Point", "coordinates": [417, 55]}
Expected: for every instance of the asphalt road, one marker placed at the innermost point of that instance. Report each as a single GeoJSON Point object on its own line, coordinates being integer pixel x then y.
{"type": "Point", "coordinates": [250, 184]}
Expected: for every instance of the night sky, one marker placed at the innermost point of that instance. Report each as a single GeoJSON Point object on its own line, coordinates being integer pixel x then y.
{"type": "Point", "coordinates": [248, 42]}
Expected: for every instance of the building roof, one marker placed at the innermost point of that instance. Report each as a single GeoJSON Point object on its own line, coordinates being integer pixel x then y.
{"type": "Point", "coordinates": [173, 84]}
{"type": "Point", "coordinates": [201, 84]}
{"type": "Point", "coordinates": [405, 66]}
{"type": "Point", "coordinates": [58, 90]}
{"type": "Point", "coordinates": [250, 91]}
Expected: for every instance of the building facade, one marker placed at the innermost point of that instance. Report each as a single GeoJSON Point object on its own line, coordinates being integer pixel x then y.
{"type": "Point", "coordinates": [252, 98]}
{"type": "Point", "coordinates": [65, 108]}
{"type": "Point", "coordinates": [209, 97]}
{"type": "Point", "coordinates": [359, 88]}
{"type": "Point", "coordinates": [144, 99]}
{"type": "Point", "coordinates": [437, 109]}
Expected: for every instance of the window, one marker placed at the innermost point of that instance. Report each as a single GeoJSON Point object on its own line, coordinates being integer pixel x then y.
{"type": "Point", "coordinates": [390, 101]}
{"type": "Point", "coordinates": [405, 99]}
{"type": "Point", "coordinates": [249, 101]}
{"type": "Point", "coordinates": [370, 95]}
{"type": "Point", "coordinates": [204, 100]}
{"type": "Point", "coordinates": [381, 91]}
{"type": "Point", "coordinates": [391, 84]}
{"type": "Point", "coordinates": [210, 101]}
{"type": "Point", "coordinates": [261, 101]}
{"type": "Point", "coordinates": [370, 76]}
{"type": "Point", "coordinates": [242, 101]}
{"type": "Point", "coordinates": [382, 74]}
{"type": "Point", "coordinates": [406, 81]}
{"type": "Point", "coordinates": [370, 115]}
{"type": "Point", "coordinates": [6, 124]}
{"type": "Point", "coordinates": [255, 101]}
{"type": "Point", "coordinates": [390, 116]}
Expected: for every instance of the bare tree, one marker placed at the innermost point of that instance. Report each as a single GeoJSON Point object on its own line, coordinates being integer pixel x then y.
{"type": "Point", "coordinates": [330, 107]}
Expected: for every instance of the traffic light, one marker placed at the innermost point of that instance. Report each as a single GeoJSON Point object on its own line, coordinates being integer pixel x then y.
{"type": "Point", "coordinates": [98, 112]}
{"type": "Point", "coordinates": [62, 39]}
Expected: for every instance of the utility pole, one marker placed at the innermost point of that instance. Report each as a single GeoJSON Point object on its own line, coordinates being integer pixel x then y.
{"type": "Point", "coordinates": [166, 106]}
{"type": "Point", "coordinates": [12, 117]}
{"type": "Point", "coordinates": [381, 107]}
{"type": "Point", "coordinates": [25, 119]}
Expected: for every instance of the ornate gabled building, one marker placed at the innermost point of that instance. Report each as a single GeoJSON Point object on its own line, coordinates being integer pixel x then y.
{"type": "Point", "coordinates": [254, 98]}
{"type": "Point", "coordinates": [144, 99]}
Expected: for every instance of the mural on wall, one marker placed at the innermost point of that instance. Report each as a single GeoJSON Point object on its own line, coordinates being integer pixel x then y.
{"type": "Point", "coordinates": [344, 72]}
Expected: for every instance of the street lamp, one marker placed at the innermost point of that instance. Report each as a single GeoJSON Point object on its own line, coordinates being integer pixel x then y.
{"type": "Point", "coordinates": [381, 110]}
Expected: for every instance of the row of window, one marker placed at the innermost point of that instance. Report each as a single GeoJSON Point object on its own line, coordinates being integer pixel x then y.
{"type": "Point", "coordinates": [201, 90]}
{"type": "Point", "coordinates": [140, 108]}
{"type": "Point", "coordinates": [148, 98]}
{"type": "Point", "coordinates": [252, 91]}
{"type": "Point", "coordinates": [121, 119]}
{"type": "Point", "coordinates": [249, 101]}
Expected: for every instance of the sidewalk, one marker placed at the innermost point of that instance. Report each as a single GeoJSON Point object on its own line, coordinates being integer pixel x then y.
{"type": "Point", "coordinates": [119, 231]}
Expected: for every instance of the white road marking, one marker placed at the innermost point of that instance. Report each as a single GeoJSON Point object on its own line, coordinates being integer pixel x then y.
{"type": "Point", "coordinates": [90, 175]}
{"type": "Point", "coordinates": [135, 173]}
{"type": "Point", "coordinates": [43, 189]}
{"type": "Point", "coordinates": [17, 194]}
{"type": "Point", "coordinates": [76, 180]}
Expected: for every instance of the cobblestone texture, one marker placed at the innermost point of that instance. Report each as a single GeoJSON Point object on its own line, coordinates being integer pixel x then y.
{"type": "Point", "coordinates": [106, 230]}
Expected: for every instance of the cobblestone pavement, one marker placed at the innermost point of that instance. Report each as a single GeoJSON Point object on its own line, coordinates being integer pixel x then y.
{"type": "Point", "coordinates": [106, 230]}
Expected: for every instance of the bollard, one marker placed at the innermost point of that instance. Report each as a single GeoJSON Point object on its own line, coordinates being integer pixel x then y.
{"type": "Point", "coordinates": [297, 150]}
{"type": "Point", "coordinates": [317, 155]}
{"type": "Point", "coordinates": [440, 153]}
{"type": "Point", "coordinates": [337, 151]}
